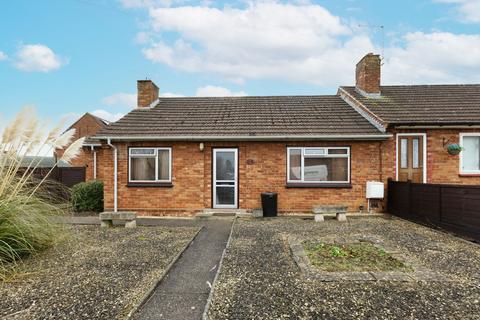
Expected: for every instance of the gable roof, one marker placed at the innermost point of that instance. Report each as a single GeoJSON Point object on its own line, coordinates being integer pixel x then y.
{"type": "Point", "coordinates": [424, 104]}
{"type": "Point", "coordinates": [100, 121]}
{"type": "Point", "coordinates": [249, 118]}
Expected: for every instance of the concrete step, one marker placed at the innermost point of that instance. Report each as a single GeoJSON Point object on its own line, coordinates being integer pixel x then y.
{"type": "Point", "coordinates": [206, 213]}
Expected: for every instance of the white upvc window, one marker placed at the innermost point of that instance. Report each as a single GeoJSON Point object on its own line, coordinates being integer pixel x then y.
{"type": "Point", "coordinates": [470, 154]}
{"type": "Point", "coordinates": [150, 164]}
{"type": "Point", "coordinates": [318, 165]}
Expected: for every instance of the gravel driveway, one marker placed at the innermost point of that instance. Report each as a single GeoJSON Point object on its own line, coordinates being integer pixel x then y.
{"type": "Point", "coordinates": [94, 274]}
{"type": "Point", "coordinates": [260, 280]}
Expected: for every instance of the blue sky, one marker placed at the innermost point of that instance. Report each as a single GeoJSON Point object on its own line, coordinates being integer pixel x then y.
{"type": "Point", "coordinates": [73, 56]}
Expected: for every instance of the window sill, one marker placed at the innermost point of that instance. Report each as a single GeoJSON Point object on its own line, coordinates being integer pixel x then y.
{"type": "Point", "coordinates": [469, 174]}
{"type": "Point", "coordinates": [150, 184]}
{"type": "Point", "coordinates": [319, 185]}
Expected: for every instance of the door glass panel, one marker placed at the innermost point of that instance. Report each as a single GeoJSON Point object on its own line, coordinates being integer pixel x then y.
{"type": "Point", "coordinates": [415, 150]}
{"type": "Point", "coordinates": [471, 153]}
{"type": "Point", "coordinates": [404, 153]}
{"type": "Point", "coordinates": [225, 195]}
{"type": "Point", "coordinates": [225, 163]}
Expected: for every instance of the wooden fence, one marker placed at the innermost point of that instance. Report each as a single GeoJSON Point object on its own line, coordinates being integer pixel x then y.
{"type": "Point", "coordinates": [452, 207]}
{"type": "Point", "coordinates": [68, 176]}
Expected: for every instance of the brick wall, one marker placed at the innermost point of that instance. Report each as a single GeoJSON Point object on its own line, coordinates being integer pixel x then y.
{"type": "Point", "coordinates": [441, 166]}
{"type": "Point", "coordinates": [85, 126]}
{"type": "Point", "coordinates": [265, 171]}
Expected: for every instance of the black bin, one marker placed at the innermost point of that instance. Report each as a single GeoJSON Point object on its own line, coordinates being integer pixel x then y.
{"type": "Point", "coordinates": [269, 204]}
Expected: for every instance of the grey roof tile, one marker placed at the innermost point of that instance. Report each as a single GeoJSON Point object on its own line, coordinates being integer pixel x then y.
{"type": "Point", "coordinates": [243, 116]}
{"type": "Point", "coordinates": [425, 104]}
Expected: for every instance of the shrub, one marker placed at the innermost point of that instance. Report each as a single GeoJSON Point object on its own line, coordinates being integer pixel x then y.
{"type": "Point", "coordinates": [25, 204]}
{"type": "Point", "coordinates": [88, 196]}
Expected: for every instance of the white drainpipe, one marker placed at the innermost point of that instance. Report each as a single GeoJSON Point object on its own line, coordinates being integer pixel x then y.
{"type": "Point", "coordinates": [115, 152]}
{"type": "Point", "coordinates": [94, 163]}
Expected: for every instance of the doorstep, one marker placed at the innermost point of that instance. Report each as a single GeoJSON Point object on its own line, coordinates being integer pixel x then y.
{"type": "Point", "coordinates": [209, 213]}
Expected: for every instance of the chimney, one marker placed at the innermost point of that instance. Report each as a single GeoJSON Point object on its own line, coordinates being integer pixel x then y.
{"type": "Point", "coordinates": [147, 93]}
{"type": "Point", "coordinates": [367, 76]}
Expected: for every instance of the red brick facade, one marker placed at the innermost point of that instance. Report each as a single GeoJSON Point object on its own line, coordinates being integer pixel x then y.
{"type": "Point", "coordinates": [88, 125]}
{"type": "Point", "coordinates": [262, 167]}
{"type": "Point", "coordinates": [441, 166]}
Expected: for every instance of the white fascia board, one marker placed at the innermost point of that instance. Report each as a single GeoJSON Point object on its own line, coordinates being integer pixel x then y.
{"type": "Point", "coordinates": [249, 138]}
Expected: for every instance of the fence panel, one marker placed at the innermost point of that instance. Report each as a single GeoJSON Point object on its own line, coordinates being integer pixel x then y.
{"type": "Point", "coordinates": [70, 176]}
{"type": "Point", "coordinates": [452, 207]}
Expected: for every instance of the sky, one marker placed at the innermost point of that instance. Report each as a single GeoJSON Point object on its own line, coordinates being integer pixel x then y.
{"type": "Point", "coordinates": [68, 57]}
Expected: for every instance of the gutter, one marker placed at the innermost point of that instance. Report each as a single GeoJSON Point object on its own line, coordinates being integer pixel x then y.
{"type": "Point", "coordinates": [248, 137]}
{"type": "Point", "coordinates": [115, 160]}
{"type": "Point", "coordinates": [439, 126]}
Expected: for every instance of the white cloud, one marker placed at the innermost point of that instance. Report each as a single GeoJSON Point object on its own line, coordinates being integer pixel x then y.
{"type": "Point", "coordinates": [171, 95]}
{"type": "Point", "coordinates": [142, 37]}
{"type": "Point", "coordinates": [439, 57]}
{"type": "Point", "coordinates": [3, 56]}
{"type": "Point", "coordinates": [301, 43]}
{"type": "Point", "coordinates": [121, 99]}
{"type": "Point", "coordinates": [149, 3]}
{"type": "Point", "coordinates": [38, 57]}
{"type": "Point", "coordinates": [469, 9]}
{"type": "Point", "coordinates": [213, 91]}
{"type": "Point", "coordinates": [107, 115]}
{"type": "Point", "coordinates": [263, 40]}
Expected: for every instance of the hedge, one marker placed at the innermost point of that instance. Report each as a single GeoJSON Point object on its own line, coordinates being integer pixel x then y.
{"type": "Point", "coordinates": [87, 196]}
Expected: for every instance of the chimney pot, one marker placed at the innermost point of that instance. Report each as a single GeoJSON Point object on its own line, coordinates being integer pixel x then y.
{"type": "Point", "coordinates": [147, 93]}
{"type": "Point", "coordinates": [367, 75]}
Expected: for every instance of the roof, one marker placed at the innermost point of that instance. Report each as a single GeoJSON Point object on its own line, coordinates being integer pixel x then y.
{"type": "Point", "coordinates": [43, 162]}
{"type": "Point", "coordinates": [89, 141]}
{"type": "Point", "coordinates": [250, 116]}
{"type": "Point", "coordinates": [100, 121]}
{"type": "Point", "coordinates": [424, 104]}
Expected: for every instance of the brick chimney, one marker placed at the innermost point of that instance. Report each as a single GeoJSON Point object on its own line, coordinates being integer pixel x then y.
{"type": "Point", "coordinates": [367, 76]}
{"type": "Point", "coordinates": [147, 93]}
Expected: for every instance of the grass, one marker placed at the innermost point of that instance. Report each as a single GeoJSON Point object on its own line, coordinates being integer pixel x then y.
{"type": "Point", "coordinates": [358, 256]}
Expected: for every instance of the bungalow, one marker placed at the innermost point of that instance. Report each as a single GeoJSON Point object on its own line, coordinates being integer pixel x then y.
{"type": "Point", "coordinates": [86, 126]}
{"type": "Point", "coordinates": [181, 155]}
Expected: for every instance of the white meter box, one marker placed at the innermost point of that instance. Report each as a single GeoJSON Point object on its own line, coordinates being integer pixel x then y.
{"type": "Point", "coordinates": [375, 190]}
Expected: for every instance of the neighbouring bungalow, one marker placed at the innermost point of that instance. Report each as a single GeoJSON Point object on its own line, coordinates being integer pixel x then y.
{"type": "Point", "coordinates": [178, 156]}
{"type": "Point", "coordinates": [86, 126]}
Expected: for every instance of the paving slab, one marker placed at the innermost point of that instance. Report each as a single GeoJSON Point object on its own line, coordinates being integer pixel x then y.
{"type": "Point", "coordinates": [183, 292]}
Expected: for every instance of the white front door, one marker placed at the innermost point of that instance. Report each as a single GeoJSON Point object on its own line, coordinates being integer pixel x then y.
{"type": "Point", "coordinates": [225, 178]}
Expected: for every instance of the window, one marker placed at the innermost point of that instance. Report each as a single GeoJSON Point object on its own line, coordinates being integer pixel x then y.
{"type": "Point", "coordinates": [318, 165]}
{"type": "Point", "coordinates": [470, 155]}
{"type": "Point", "coordinates": [150, 165]}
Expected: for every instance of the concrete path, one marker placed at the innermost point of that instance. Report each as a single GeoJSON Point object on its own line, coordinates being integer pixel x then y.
{"type": "Point", "coordinates": [183, 293]}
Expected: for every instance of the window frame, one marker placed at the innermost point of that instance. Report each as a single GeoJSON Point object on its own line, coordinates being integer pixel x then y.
{"type": "Point", "coordinates": [156, 181]}
{"type": "Point", "coordinates": [302, 162]}
{"type": "Point", "coordinates": [460, 168]}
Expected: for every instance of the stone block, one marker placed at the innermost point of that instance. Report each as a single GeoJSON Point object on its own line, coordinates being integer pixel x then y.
{"type": "Point", "coordinates": [131, 224]}
{"type": "Point", "coordinates": [106, 223]}
{"type": "Point", "coordinates": [324, 209]}
{"type": "Point", "coordinates": [319, 218]}
{"type": "Point", "coordinates": [341, 217]}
